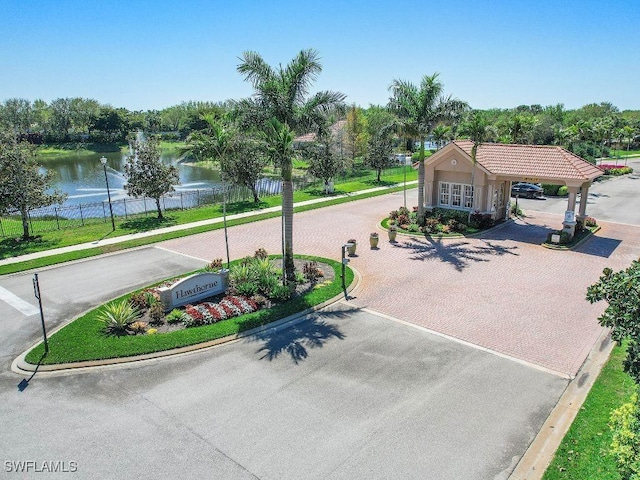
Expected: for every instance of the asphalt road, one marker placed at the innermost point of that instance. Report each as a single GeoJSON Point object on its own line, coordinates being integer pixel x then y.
{"type": "Point", "coordinates": [346, 394]}
{"type": "Point", "coordinates": [612, 200]}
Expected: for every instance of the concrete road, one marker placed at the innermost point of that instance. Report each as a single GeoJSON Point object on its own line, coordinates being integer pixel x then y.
{"type": "Point", "coordinates": [612, 200]}
{"type": "Point", "coordinates": [71, 289]}
{"type": "Point", "coordinates": [346, 394]}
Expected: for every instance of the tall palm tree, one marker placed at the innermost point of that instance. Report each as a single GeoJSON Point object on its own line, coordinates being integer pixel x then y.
{"type": "Point", "coordinates": [281, 107]}
{"type": "Point", "coordinates": [420, 108]}
{"type": "Point", "coordinates": [478, 130]}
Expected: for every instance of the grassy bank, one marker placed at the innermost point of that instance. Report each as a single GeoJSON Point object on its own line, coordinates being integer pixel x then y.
{"type": "Point", "coordinates": [583, 453]}
{"type": "Point", "coordinates": [84, 338]}
{"type": "Point", "coordinates": [99, 250]}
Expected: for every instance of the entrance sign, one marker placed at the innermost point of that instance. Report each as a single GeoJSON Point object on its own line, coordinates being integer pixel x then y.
{"type": "Point", "coordinates": [193, 288]}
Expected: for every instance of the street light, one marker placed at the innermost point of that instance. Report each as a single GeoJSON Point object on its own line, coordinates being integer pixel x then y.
{"type": "Point", "coordinates": [103, 161]}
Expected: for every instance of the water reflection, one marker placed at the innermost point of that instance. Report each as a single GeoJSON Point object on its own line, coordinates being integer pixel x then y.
{"type": "Point", "coordinates": [82, 176]}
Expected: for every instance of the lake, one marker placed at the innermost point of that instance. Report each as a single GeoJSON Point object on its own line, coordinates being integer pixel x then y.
{"type": "Point", "coordinates": [82, 176]}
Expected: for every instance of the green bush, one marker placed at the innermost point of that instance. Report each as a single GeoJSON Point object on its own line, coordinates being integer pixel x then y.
{"type": "Point", "coordinates": [550, 190]}
{"type": "Point", "coordinates": [246, 289]}
{"type": "Point", "coordinates": [564, 237]}
{"type": "Point", "coordinates": [174, 316]}
{"type": "Point", "coordinates": [625, 446]}
{"type": "Point", "coordinates": [117, 317]}
{"type": "Point", "coordinates": [280, 293]}
{"type": "Point", "coordinates": [563, 191]}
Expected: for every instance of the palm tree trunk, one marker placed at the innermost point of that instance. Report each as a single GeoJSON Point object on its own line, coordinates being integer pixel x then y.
{"type": "Point", "coordinates": [421, 183]}
{"type": "Point", "coordinates": [287, 214]}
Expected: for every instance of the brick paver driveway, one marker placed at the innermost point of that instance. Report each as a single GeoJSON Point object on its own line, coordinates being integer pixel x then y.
{"type": "Point", "coordinates": [503, 291]}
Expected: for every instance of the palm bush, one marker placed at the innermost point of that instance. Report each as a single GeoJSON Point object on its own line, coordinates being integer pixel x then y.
{"type": "Point", "coordinates": [118, 316]}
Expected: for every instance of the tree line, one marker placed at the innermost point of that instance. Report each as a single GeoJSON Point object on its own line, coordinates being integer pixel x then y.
{"type": "Point", "coordinates": [283, 121]}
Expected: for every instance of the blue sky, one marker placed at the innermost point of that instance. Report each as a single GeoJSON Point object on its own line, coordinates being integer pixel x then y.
{"type": "Point", "coordinates": [152, 54]}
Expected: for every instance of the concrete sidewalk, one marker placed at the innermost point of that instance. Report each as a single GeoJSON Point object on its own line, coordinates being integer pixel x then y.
{"type": "Point", "coordinates": [186, 226]}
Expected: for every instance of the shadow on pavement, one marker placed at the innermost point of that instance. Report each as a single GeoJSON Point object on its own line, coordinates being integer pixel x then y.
{"type": "Point", "coordinates": [458, 254]}
{"type": "Point", "coordinates": [599, 246]}
{"type": "Point", "coordinates": [297, 340]}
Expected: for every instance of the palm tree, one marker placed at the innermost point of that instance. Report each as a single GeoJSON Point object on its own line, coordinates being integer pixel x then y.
{"type": "Point", "coordinates": [441, 133]}
{"type": "Point", "coordinates": [280, 107]}
{"type": "Point", "coordinates": [420, 108]}
{"type": "Point", "coordinates": [478, 130]}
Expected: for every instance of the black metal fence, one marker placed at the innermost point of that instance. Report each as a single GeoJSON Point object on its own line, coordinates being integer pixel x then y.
{"type": "Point", "coordinates": [58, 217]}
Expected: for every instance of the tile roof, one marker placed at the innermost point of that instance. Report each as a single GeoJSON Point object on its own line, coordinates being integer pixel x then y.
{"type": "Point", "coordinates": [535, 161]}
{"type": "Point", "coordinates": [334, 129]}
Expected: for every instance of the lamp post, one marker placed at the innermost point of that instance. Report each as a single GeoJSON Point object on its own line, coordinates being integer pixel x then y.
{"type": "Point", "coordinates": [103, 161]}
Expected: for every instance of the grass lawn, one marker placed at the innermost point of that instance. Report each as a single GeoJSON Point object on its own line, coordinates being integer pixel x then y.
{"type": "Point", "coordinates": [583, 453]}
{"type": "Point", "coordinates": [84, 339]}
{"type": "Point", "coordinates": [48, 236]}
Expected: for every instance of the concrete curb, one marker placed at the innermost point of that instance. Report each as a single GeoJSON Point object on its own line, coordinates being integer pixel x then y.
{"type": "Point", "coordinates": [538, 456]}
{"type": "Point", "coordinates": [562, 248]}
{"type": "Point", "coordinates": [21, 367]}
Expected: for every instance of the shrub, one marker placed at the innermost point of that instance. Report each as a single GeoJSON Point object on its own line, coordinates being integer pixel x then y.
{"type": "Point", "coordinates": [268, 285]}
{"type": "Point", "coordinates": [259, 300]}
{"type": "Point", "coordinates": [151, 298]}
{"type": "Point", "coordinates": [261, 253]}
{"type": "Point", "coordinates": [139, 301]}
{"type": "Point", "coordinates": [280, 293]}
{"type": "Point", "coordinates": [174, 316]}
{"type": "Point", "coordinates": [563, 191]}
{"type": "Point", "coordinates": [138, 327]}
{"type": "Point", "coordinates": [413, 228]}
{"type": "Point", "coordinates": [393, 214]}
{"type": "Point", "coordinates": [156, 313]}
{"type": "Point", "coordinates": [430, 224]}
{"type": "Point", "coordinates": [214, 266]}
{"type": "Point", "coordinates": [312, 272]}
{"type": "Point", "coordinates": [456, 226]}
{"type": "Point", "coordinates": [240, 273]}
{"type": "Point", "coordinates": [403, 220]}
{"type": "Point", "coordinates": [550, 190]}
{"type": "Point", "coordinates": [246, 288]}
{"type": "Point", "coordinates": [590, 222]}
{"type": "Point", "coordinates": [299, 277]}
{"type": "Point", "coordinates": [625, 446]}
{"type": "Point", "coordinates": [516, 210]}
{"type": "Point", "coordinates": [117, 317]}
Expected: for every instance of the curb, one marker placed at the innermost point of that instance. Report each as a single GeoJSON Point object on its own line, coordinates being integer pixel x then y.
{"type": "Point", "coordinates": [561, 248]}
{"type": "Point", "coordinates": [21, 367]}
{"type": "Point", "coordinates": [542, 449]}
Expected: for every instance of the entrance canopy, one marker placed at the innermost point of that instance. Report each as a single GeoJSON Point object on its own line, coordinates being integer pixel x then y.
{"type": "Point", "coordinates": [530, 163]}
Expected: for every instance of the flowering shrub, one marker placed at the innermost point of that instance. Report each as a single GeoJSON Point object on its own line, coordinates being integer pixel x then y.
{"type": "Point", "coordinates": [590, 222]}
{"type": "Point", "coordinates": [615, 169]}
{"type": "Point", "coordinates": [206, 313]}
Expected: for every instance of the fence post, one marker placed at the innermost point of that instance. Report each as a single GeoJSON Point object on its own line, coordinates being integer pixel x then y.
{"type": "Point", "coordinates": [164, 204]}
{"type": "Point", "coordinates": [104, 213]}
{"type": "Point", "coordinates": [124, 202]}
{"type": "Point", "coordinates": [1, 227]}
{"type": "Point", "coordinates": [181, 202]}
{"type": "Point", "coordinates": [144, 202]}
{"type": "Point", "coordinates": [197, 198]}
{"type": "Point", "coordinates": [55, 209]}
{"type": "Point", "coordinates": [81, 217]}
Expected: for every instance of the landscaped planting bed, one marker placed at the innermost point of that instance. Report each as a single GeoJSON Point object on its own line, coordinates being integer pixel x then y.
{"type": "Point", "coordinates": [136, 324]}
{"type": "Point", "coordinates": [439, 221]}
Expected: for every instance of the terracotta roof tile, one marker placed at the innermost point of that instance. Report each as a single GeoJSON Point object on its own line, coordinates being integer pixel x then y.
{"type": "Point", "coordinates": [535, 161]}
{"type": "Point", "coordinates": [334, 129]}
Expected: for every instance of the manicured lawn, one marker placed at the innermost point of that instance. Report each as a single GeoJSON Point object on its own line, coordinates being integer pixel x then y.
{"type": "Point", "coordinates": [583, 454]}
{"type": "Point", "coordinates": [10, 247]}
{"type": "Point", "coordinates": [84, 339]}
